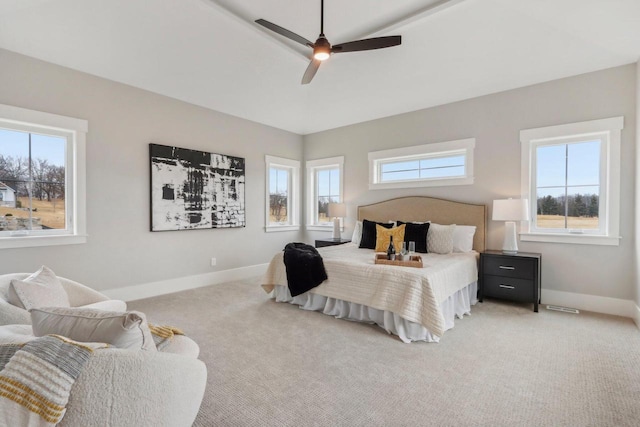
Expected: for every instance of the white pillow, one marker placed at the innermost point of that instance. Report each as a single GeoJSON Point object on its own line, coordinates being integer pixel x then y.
{"type": "Point", "coordinates": [440, 238]}
{"type": "Point", "coordinates": [42, 288]}
{"type": "Point", "coordinates": [357, 233]}
{"type": "Point", "coordinates": [463, 238]}
{"type": "Point", "coordinates": [128, 330]}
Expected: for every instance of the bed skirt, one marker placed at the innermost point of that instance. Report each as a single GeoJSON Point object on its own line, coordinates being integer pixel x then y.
{"type": "Point", "coordinates": [457, 305]}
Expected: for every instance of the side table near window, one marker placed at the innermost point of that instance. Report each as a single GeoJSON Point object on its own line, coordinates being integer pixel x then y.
{"type": "Point", "coordinates": [515, 277]}
{"type": "Point", "coordinates": [321, 243]}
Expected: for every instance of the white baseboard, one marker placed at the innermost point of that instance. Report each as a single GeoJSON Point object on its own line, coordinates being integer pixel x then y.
{"type": "Point", "coordinates": [147, 290]}
{"type": "Point", "coordinates": [607, 305]}
{"type": "Point", "coordinates": [598, 304]}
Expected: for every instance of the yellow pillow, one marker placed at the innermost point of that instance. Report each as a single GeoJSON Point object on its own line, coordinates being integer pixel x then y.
{"type": "Point", "coordinates": [383, 235]}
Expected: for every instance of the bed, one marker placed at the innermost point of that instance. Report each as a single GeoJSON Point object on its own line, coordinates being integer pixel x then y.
{"type": "Point", "coordinates": [416, 304]}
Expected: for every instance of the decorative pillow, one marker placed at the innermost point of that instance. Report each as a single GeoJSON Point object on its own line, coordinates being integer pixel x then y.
{"type": "Point", "coordinates": [416, 232]}
{"type": "Point", "coordinates": [368, 240]}
{"type": "Point", "coordinates": [357, 233]}
{"type": "Point", "coordinates": [383, 235]}
{"type": "Point", "coordinates": [39, 289]}
{"type": "Point", "coordinates": [463, 238]}
{"type": "Point", "coordinates": [440, 238]}
{"type": "Point", "coordinates": [122, 330]}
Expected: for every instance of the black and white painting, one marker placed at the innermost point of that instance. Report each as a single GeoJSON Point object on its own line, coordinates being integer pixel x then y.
{"type": "Point", "coordinates": [194, 189]}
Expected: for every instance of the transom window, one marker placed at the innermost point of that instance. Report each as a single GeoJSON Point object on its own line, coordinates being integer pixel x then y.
{"type": "Point", "coordinates": [282, 194]}
{"type": "Point", "coordinates": [438, 164]}
{"type": "Point", "coordinates": [572, 174]}
{"type": "Point", "coordinates": [423, 167]}
{"type": "Point", "coordinates": [41, 178]}
{"type": "Point", "coordinates": [324, 186]}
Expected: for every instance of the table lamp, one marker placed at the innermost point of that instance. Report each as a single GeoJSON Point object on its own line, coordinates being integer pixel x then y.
{"type": "Point", "coordinates": [510, 210]}
{"type": "Point", "coordinates": [337, 211]}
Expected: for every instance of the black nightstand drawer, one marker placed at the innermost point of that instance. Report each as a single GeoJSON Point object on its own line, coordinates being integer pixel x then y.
{"type": "Point", "coordinates": [510, 267]}
{"type": "Point", "coordinates": [509, 288]}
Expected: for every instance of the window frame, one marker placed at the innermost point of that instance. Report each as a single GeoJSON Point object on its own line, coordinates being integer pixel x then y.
{"type": "Point", "coordinates": [464, 147]}
{"type": "Point", "coordinates": [293, 203]}
{"type": "Point", "coordinates": [312, 167]}
{"type": "Point", "coordinates": [75, 131]}
{"type": "Point", "coordinates": [608, 132]}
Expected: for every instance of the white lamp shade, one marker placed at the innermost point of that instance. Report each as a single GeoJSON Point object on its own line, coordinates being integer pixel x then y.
{"type": "Point", "coordinates": [510, 210]}
{"type": "Point", "coordinates": [337, 210]}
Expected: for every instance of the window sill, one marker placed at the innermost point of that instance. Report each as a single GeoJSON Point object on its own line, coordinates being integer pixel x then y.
{"type": "Point", "coordinates": [276, 228]}
{"type": "Point", "coordinates": [416, 184]}
{"type": "Point", "coordinates": [326, 228]}
{"type": "Point", "coordinates": [35, 241]}
{"type": "Point", "coordinates": [583, 239]}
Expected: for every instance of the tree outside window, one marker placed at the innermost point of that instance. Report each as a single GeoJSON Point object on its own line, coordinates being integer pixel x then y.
{"type": "Point", "coordinates": [33, 166]}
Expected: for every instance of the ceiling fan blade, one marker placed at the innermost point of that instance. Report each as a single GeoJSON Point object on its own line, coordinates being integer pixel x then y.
{"type": "Point", "coordinates": [284, 32]}
{"type": "Point", "coordinates": [367, 44]}
{"type": "Point", "coordinates": [311, 71]}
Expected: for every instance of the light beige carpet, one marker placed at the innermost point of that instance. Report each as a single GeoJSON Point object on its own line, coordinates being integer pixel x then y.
{"type": "Point", "coordinates": [272, 364]}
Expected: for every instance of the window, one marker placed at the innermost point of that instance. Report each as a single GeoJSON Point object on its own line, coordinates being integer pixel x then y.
{"type": "Point", "coordinates": [283, 176]}
{"type": "Point", "coordinates": [42, 178]}
{"type": "Point", "coordinates": [324, 186]}
{"type": "Point", "coordinates": [571, 175]}
{"type": "Point", "coordinates": [438, 164]}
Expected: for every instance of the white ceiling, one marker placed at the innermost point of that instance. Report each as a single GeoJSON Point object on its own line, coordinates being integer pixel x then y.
{"type": "Point", "coordinates": [210, 53]}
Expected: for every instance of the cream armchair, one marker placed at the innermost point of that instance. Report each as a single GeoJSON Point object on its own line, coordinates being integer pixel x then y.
{"type": "Point", "coordinates": [79, 296]}
{"type": "Point", "coordinates": [132, 388]}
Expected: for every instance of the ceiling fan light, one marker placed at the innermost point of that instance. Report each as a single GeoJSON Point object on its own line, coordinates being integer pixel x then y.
{"type": "Point", "coordinates": [321, 48]}
{"type": "Point", "coordinates": [321, 55]}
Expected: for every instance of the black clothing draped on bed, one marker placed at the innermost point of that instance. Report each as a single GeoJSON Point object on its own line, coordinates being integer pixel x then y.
{"type": "Point", "coordinates": [305, 269]}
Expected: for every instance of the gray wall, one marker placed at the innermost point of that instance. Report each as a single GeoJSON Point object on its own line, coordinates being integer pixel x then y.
{"type": "Point", "coordinates": [495, 121]}
{"type": "Point", "coordinates": [636, 253]}
{"type": "Point", "coordinates": [122, 122]}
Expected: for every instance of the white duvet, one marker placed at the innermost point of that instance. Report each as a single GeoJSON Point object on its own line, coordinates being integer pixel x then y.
{"type": "Point", "coordinates": [415, 294]}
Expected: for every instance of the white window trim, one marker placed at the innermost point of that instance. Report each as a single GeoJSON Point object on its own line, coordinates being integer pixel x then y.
{"type": "Point", "coordinates": [609, 130]}
{"type": "Point", "coordinates": [312, 166]}
{"type": "Point", "coordinates": [15, 117]}
{"type": "Point", "coordinates": [294, 221]}
{"type": "Point", "coordinates": [463, 146]}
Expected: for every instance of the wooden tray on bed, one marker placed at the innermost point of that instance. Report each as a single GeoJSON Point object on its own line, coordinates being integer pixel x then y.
{"type": "Point", "coordinates": [415, 261]}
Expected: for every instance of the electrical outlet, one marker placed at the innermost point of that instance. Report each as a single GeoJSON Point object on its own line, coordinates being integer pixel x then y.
{"type": "Point", "coordinates": [213, 262]}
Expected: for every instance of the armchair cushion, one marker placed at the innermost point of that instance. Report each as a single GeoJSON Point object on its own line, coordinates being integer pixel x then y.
{"type": "Point", "coordinates": [79, 296]}
{"type": "Point", "coordinates": [42, 288]}
{"type": "Point", "coordinates": [122, 330]}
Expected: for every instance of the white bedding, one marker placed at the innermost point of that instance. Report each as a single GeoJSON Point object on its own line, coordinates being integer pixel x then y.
{"type": "Point", "coordinates": [416, 295]}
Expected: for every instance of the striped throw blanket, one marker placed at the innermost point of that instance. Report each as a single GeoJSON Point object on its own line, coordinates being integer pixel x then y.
{"type": "Point", "coordinates": [36, 378]}
{"type": "Point", "coordinates": [162, 335]}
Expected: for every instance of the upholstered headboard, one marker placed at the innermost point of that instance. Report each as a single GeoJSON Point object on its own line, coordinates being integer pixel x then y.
{"type": "Point", "coordinates": [416, 208]}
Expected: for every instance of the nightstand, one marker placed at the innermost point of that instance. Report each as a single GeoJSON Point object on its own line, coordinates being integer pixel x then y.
{"type": "Point", "coordinates": [514, 277]}
{"type": "Point", "coordinates": [321, 243]}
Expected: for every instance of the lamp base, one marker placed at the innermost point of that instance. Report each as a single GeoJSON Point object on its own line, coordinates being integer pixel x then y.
{"type": "Point", "coordinates": [510, 244]}
{"type": "Point", "coordinates": [336, 229]}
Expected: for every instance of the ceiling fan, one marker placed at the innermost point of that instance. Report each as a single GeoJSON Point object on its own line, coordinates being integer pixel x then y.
{"type": "Point", "coordinates": [322, 49]}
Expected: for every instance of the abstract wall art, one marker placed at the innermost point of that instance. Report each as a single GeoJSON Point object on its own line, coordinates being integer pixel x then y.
{"type": "Point", "coordinates": [195, 190]}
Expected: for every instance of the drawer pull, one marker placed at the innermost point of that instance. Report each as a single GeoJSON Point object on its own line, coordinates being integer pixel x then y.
{"type": "Point", "coordinates": [504, 267]}
{"type": "Point", "coordinates": [507, 286]}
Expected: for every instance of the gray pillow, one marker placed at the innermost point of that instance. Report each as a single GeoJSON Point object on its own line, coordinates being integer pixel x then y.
{"type": "Point", "coordinates": [42, 288]}
{"type": "Point", "coordinates": [127, 330]}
